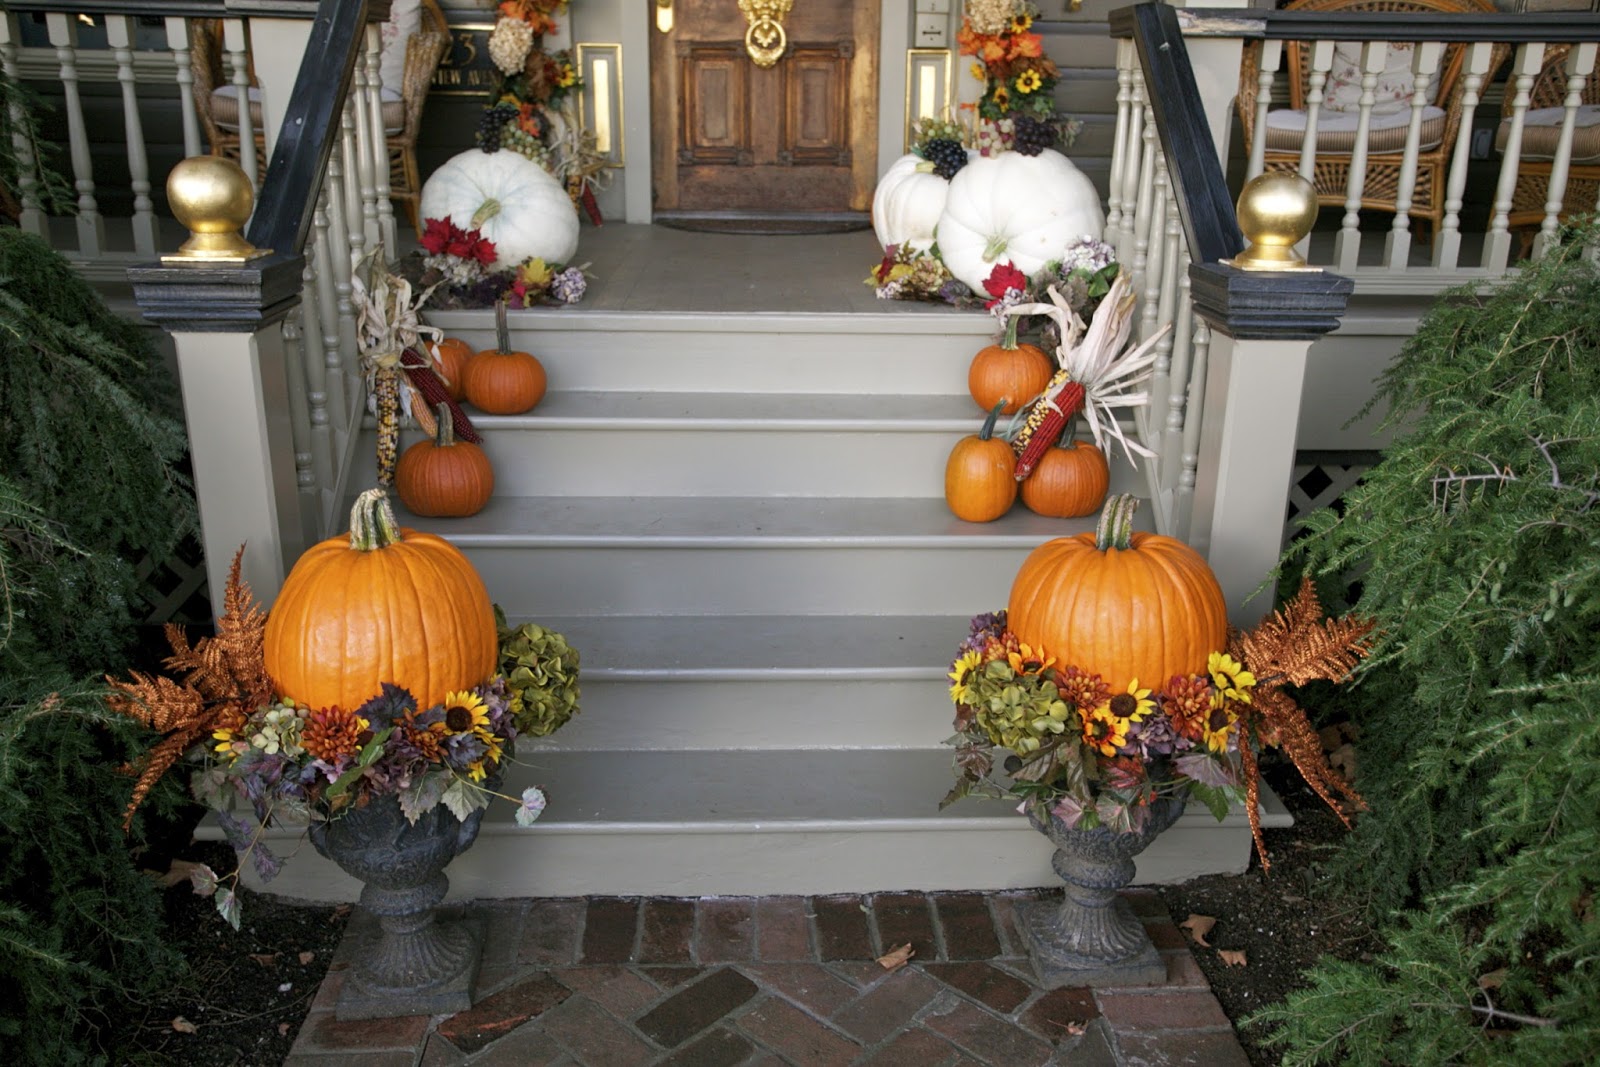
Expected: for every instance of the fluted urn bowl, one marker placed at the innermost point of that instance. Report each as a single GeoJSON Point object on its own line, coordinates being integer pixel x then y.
{"type": "Point", "coordinates": [1092, 937]}
{"type": "Point", "coordinates": [413, 964]}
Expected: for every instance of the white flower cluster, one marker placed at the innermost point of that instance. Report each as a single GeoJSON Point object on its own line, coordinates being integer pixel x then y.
{"type": "Point", "coordinates": [992, 16]}
{"type": "Point", "coordinates": [279, 731]}
{"type": "Point", "coordinates": [1088, 254]}
{"type": "Point", "coordinates": [510, 43]}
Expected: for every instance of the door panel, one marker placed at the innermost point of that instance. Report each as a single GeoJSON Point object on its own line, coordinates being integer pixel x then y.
{"type": "Point", "coordinates": [797, 137]}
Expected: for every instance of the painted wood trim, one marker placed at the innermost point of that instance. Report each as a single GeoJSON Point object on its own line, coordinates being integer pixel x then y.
{"type": "Point", "coordinates": [1269, 305]}
{"type": "Point", "coordinates": [218, 299]}
{"type": "Point", "coordinates": [1511, 28]}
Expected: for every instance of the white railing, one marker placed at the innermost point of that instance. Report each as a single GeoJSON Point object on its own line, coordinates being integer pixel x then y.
{"type": "Point", "coordinates": [352, 217]}
{"type": "Point", "coordinates": [1385, 115]}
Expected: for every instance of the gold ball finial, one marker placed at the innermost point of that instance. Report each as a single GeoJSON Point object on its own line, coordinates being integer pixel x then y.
{"type": "Point", "coordinates": [213, 197]}
{"type": "Point", "coordinates": [1276, 211]}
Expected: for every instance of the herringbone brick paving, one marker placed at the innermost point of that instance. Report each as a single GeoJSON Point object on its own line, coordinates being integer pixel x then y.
{"type": "Point", "coordinates": [617, 982]}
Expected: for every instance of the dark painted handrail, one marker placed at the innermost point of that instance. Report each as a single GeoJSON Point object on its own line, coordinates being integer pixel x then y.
{"type": "Point", "coordinates": [149, 8]}
{"type": "Point", "coordinates": [1198, 183]}
{"type": "Point", "coordinates": [310, 126]}
{"type": "Point", "coordinates": [1542, 27]}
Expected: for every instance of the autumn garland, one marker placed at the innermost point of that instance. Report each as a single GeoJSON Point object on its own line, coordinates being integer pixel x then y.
{"type": "Point", "coordinates": [1072, 746]}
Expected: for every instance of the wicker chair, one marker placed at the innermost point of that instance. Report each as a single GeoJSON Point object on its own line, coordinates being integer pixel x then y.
{"type": "Point", "coordinates": [216, 99]}
{"type": "Point", "coordinates": [1385, 140]}
{"type": "Point", "coordinates": [1541, 131]}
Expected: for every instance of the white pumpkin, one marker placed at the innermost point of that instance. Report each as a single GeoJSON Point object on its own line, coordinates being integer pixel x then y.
{"type": "Point", "coordinates": [908, 203]}
{"type": "Point", "coordinates": [1025, 210]}
{"type": "Point", "coordinates": [511, 199]}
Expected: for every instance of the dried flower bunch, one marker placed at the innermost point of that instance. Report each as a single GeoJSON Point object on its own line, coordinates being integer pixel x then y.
{"type": "Point", "coordinates": [453, 269]}
{"type": "Point", "coordinates": [1067, 743]}
{"type": "Point", "coordinates": [1019, 79]}
{"type": "Point", "coordinates": [284, 760]}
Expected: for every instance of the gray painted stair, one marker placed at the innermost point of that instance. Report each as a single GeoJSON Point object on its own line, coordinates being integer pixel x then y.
{"type": "Point", "coordinates": [737, 518]}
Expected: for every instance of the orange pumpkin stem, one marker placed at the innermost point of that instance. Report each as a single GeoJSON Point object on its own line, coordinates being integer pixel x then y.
{"type": "Point", "coordinates": [1115, 529]}
{"type": "Point", "coordinates": [372, 522]}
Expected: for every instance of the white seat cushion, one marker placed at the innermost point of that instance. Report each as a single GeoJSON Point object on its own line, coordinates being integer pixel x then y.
{"type": "Point", "coordinates": [1336, 130]}
{"type": "Point", "coordinates": [1394, 87]}
{"type": "Point", "coordinates": [1541, 132]}
{"type": "Point", "coordinates": [225, 109]}
{"type": "Point", "coordinates": [405, 18]}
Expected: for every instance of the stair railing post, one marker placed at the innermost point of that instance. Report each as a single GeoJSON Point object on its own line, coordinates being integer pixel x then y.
{"type": "Point", "coordinates": [1263, 323]}
{"type": "Point", "coordinates": [226, 322]}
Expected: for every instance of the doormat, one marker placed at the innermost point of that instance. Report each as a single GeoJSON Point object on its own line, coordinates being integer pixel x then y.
{"type": "Point", "coordinates": [766, 225]}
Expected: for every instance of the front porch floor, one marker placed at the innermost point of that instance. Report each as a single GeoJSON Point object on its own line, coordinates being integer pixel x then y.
{"type": "Point", "coordinates": [616, 981]}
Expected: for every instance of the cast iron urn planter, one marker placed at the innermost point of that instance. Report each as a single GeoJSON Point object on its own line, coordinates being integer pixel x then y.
{"type": "Point", "coordinates": [413, 964]}
{"type": "Point", "coordinates": [1092, 938]}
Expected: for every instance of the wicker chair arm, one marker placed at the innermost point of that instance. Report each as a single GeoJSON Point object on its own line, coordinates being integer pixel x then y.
{"type": "Point", "coordinates": [423, 53]}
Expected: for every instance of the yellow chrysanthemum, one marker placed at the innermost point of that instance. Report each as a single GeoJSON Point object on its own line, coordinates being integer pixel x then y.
{"type": "Point", "coordinates": [979, 72]}
{"type": "Point", "coordinates": [1028, 81]}
{"type": "Point", "coordinates": [1132, 705]}
{"type": "Point", "coordinates": [960, 688]}
{"type": "Point", "coordinates": [1219, 727]}
{"type": "Point", "coordinates": [225, 742]}
{"type": "Point", "coordinates": [464, 711]}
{"type": "Point", "coordinates": [1104, 730]}
{"type": "Point", "coordinates": [1232, 681]}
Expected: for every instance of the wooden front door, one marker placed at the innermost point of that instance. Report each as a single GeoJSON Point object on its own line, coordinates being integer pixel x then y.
{"type": "Point", "coordinates": [732, 139]}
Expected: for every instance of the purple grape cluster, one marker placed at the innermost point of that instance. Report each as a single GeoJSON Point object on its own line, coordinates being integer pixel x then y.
{"type": "Point", "coordinates": [946, 156]}
{"type": "Point", "coordinates": [1030, 136]}
{"type": "Point", "coordinates": [492, 122]}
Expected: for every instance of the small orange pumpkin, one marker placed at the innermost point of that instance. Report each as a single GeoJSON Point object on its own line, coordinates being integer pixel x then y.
{"type": "Point", "coordinates": [444, 476]}
{"type": "Point", "coordinates": [384, 604]}
{"type": "Point", "coordinates": [980, 482]}
{"type": "Point", "coordinates": [1069, 482]}
{"type": "Point", "coordinates": [1127, 606]}
{"type": "Point", "coordinates": [501, 381]}
{"type": "Point", "coordinates": [450, 356]}
{"type": "Point", "coordinates": [1010, 372]}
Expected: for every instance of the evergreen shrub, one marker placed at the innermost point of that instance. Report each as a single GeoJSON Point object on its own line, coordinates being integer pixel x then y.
{"type": "Point", "coordinates": [1477, 541]}
{"type": "Point", "coordinates": [90, 483]}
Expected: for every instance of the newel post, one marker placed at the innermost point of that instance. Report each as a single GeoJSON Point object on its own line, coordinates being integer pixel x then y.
{"type": "Point", "coordinates": [224, 304]}
{"type": "Point", "coordinates": [1263, 323]}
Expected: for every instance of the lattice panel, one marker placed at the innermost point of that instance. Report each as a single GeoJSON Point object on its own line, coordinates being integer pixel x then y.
{"type": "Point", "coordinates": [1320, 481]}
{"type": "Point", "coordinates": [175, 588]}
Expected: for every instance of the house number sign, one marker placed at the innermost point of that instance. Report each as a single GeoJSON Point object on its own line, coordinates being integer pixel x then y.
{"type": "Point", "coordinates": [765, 39]}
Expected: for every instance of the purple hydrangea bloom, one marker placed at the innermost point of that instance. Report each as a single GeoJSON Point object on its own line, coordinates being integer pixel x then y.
{"type": "Point", "coordinates": [1155, 736]}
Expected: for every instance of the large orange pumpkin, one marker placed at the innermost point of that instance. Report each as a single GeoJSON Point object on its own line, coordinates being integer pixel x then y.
{"type": "Point", "coordinates": [1008, 371]}
{"type": "Point", "coordinates": [384, 604]}
{"type": "Point", "coordinates": [1124, 605]}
{"type": "Point", "coordinates": [1069, 482]}
{"type": "Point", "coordinates": [980, 483]}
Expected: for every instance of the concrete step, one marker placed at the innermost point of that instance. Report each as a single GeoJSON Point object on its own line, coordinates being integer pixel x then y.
{"type": "Point", "coordinates": [753, 682]}
{"type": "Point", "coordinates": [551, 556]}
{"type": "Point", "coordinates": [726, 444]}
{"type": "Point", "coordinates": [915, 348]}
{"type": "Point", "coordinates": [695, 823]}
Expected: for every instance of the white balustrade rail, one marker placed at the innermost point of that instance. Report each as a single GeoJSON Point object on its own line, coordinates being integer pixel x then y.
{"type": "Point", "coordinates": [44, 44]}
{"type": "Point", "coordinates": [1391, 117]}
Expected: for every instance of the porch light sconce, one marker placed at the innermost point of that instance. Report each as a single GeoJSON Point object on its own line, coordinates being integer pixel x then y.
{"type": "Point", "coordinates": [600, 101]}
{"type": "Point", "coordinates": [213, 198]}
{"type": "Point", "coordinates": [664, 15]}
{"type": "Point", "coordinates": [927, 86]}
{"type": "Point", "coordinates": [1276, 211]}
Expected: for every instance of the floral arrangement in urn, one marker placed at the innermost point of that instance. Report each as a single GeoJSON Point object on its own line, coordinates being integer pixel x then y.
{"type": "Point", "coordinates": [325, 707]}
{"type": "Point", "coordinates": [1112, 682]}
{"type": "Point", "coordinates": [1018, 78]}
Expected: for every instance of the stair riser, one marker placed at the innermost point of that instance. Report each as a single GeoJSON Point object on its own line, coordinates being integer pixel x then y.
{"type": "Point", "coordinates": [744, 361]}
{"type": "Point", "coordinates": [751, 714]}
{"type": "Point", "coordinates": [734, 580]}
{"type": "Point", "coordinates": [733, 462]}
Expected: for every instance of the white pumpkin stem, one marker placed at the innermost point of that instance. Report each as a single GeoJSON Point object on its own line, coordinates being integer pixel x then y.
{"type": "Point", "coordinates": [502, 329]}
{"type": "Point", "coordinates": [995, 248]}
{"type": "Point", "coordinates": [486, 211]}
{"type": "Point", "coordinates": [372, 522]}
{"type": "Point", "coordinates": [1115, 529]}
{"type": "Point", "coordinates": [1009, 340]}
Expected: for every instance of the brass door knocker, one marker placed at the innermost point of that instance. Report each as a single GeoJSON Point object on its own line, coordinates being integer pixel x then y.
{"type": "Point", "coordinates": [765, 39]}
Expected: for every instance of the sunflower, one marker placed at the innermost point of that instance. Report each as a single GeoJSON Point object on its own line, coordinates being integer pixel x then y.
{"type": "Point", "coordinates": [1219, 728]}
{"type": "Point", "coordinates": [979, 72]}
{"type": "Point", "coordinates": [961, 688]}
{"type": "Point", "coordinates": [1021, 23]}
{"type": "Point", "coordinates": [1029, 81]}
{"type": "Point", "coordinates": [226, 743]}
{"type": "Point", "coordinates": [464, 712]}
{"type": "Point", "coordinates": [1104, 730]}
{"type": "Point", "coordinates": [1024, 660]}
{"type": "Point", "coordinates": [1132, 705]}
{"type": "Point", "coordinates": [1233, 682]}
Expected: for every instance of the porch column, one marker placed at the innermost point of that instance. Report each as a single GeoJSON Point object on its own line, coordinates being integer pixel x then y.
{"type": "Point", "coordinates": [226, 322]}
{"type": "Point", "coordinates": [1216, 72]}
{"type": "Point", "coordinates": [1263, 324]}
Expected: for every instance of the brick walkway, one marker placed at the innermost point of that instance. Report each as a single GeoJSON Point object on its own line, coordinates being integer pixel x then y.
{"type": "Point", "coordinates": [610, 982]}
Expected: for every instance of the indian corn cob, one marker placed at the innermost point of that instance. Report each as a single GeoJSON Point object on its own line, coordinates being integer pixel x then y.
{"type": "Point", "coordinates": [1061, 399]}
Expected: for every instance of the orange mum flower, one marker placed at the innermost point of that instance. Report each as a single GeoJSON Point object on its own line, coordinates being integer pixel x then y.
{"type": "Point", "coordinates": [1187, 701]}
{"type": "Point", "coordinates": [333, 734]}
{"type": "Point", "coordinates": [1030, 45]}
{"type": "Point", "coordinates": [1082, 690]}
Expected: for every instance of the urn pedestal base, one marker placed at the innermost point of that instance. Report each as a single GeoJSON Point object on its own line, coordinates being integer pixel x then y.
{"type": "Point", "coordinates": [366, 997]}
{"type": "Point", "coordinates": [1060, 968]}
